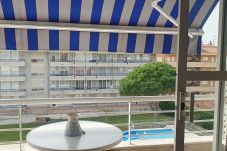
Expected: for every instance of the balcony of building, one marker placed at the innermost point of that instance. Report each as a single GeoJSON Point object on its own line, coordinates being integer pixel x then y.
{"type": "Point", "coordinates": [207, 64]}
{"type": "Point", "coordinates": [98, 63]}
{"type": "Point", "coordinates": [83, 90]}
{"type": "Point", "coordinates": [12, 62]}
{"type": "Point", "coordinates": [12, 77]}
{"type": "Point", "coordinates": [88, 76]}
{"type": "Point", "coordinates": [105, 76]}
{"type": "Point", "coordinates": [61, 62]}
{"type": "Point", "coordinates": [62, 76]}
{"type": "Point", "coordinates": [12, 92]}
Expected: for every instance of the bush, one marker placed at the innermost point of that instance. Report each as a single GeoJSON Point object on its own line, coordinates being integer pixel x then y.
{"type": "Point", "coordinates": [201, 115]}
{"type": "Point", "coordinates": [167, 105]}
{"type": "Point", "coordinates": [204, 116]}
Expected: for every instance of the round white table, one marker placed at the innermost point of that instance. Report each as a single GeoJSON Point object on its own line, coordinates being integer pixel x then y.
{"type": "Point", "coordinates": [98, 136]}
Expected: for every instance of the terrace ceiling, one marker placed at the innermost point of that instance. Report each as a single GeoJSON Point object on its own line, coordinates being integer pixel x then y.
{"type": "Point", "coordinates": [58, 25]}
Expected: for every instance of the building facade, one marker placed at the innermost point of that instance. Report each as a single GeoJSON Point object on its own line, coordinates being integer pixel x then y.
{"type": "Point", "coordinates": [60, 74]}
{"type": "Point", "coordinates": [26, 74]}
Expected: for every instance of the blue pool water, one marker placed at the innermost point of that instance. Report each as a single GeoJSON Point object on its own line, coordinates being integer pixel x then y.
{"type": "Point", "coordinates": [149, 134]}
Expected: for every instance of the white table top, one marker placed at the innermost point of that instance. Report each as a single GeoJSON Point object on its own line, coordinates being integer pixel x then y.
{"type": "Point", "coordinates": [98, 136]}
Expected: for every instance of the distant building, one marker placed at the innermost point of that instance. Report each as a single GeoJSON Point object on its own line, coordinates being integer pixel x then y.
{"type": "Point", "coordinates": [59, 74]}
{"type": "Point", "coordinates": [26, 74]}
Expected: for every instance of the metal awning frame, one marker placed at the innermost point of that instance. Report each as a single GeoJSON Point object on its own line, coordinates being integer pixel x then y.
{"type": "Point", "coordinates": [94, 28]}
{"type": "Point", "coordinates": [154, 4]}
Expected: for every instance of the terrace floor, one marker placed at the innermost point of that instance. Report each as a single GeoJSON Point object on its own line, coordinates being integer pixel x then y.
{"type": "Point", "coordinates": [202, 143]}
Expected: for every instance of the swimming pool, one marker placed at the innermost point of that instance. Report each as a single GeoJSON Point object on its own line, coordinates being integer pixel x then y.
{"type": "Point", "coordinates": [149, 134]}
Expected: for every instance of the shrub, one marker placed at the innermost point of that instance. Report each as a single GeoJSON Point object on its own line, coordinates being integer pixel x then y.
{"type": "Point", "coordinates": [204, 116]}
{"type": "Point", "coordinates": [169, 105]}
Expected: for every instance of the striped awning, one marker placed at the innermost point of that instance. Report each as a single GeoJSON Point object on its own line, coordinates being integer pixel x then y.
{"type": "Point", "coordinates": [138, 13]}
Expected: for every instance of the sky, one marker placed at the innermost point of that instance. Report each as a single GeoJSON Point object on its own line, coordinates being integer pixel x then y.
{"type": "Point", "coordinates": [211, 27]}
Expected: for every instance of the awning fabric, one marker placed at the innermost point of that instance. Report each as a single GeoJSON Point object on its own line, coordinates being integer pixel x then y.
{"type": "Point", "coordinates": [103, 12]}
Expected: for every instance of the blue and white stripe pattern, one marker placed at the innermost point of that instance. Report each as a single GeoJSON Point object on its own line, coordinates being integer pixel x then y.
{"type": "Point", "coordinates": [104, 12]}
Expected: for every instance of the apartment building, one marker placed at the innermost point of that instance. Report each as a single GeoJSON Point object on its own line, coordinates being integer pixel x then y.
{"type": "Point", "coordinates": [60, 74]}
{"type": "Point", "coordinates": [75, 74]}
{"type": "Point", "coordinates": [12, 74]}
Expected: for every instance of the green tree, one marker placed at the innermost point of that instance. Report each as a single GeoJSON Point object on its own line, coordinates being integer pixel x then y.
{"type": "Point", "coordinates": [151, 79]}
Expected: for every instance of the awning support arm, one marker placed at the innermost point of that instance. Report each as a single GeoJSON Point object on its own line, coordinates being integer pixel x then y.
{"type": "Point", "coordinates": [154, 4]}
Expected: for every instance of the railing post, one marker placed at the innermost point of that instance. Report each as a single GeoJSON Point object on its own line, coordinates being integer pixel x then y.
{"type": "Point", "coordinates": [129, 121]}
{"type": "Point", "coordinates": [20, 127]}
{"type": "Point", "coordinates": [192, 100]}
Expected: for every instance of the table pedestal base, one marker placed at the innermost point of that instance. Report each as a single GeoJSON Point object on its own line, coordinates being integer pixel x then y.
{"type": "Point", "coordinates": [73, 128]}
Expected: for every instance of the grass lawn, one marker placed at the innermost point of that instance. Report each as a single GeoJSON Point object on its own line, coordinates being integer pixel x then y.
{"type": "Point", "coordinates": [124, 118]}
{"type": "Point", "coordinates": [14, 136]}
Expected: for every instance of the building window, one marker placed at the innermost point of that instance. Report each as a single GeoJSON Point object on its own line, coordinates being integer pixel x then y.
{"type": "Point", "coordinates": [173, 59]}
{"type": "Point", "coordinates": [80, 71]}
{"type": "Point", "coordinates": [34, 60]}
{"type": "Point", "coordinates": [102, 57]}
{"type": "Point", "coordinates": [5, 70]}
{"type": "Point", "coordinates": [14, 55]}
{"type": "Point", "coordinates": [205, 58]}
{"type": "Point", "coordinates": [63, 85]}
{"type": "Point", "coordinates": [79, 85]}
{"type": "Point", "coordinates": [37, 74]}
{"type": "Point", "coordinates": [159, 59]}
{"type": "Point", "coordinates": [64, 56]}
{"type": "Point", "coordinates": [4, 55]}
{"type": "Point", "coordinates": [37, 60]}
{"type": "Point", "coordinates": [5, 85]}
{"type": "Point", "coordinates": [14, 70]}
{"type": "Point", "coordinates": [37, 89]}
{"type": "Point", "coordinates": [204, 82]}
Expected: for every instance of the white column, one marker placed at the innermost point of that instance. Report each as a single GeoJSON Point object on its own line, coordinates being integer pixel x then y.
{"type": "Point", "coordinates": [220, 86]}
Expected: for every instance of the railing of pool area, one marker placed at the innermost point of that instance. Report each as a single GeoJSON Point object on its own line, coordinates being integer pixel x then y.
{"type": "Point", "coordinates": [19, 103]}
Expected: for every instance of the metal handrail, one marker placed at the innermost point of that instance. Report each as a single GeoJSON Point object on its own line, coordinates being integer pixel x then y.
{"type": "Point", "coordinates": [87, 100]}
{"type": "Point", "coordinates": [84, 100]}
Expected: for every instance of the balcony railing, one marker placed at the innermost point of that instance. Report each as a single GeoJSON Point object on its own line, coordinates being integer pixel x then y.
{"type": "Point", "coordinates": [100, 61]}
{"type": "Point", "coordinates": [107, 74]}
{"type": "Point", "coordinates": [91, 74]}
{"type": "Point", "coordinates": [59, 74]}
{"type": "Point", "coordinates": [112, 87]}
{"type": "Point", "coordinates": [12, 75]}
{"type": "Point", "coordinates": [82, 88]}
{"type": "Point", "coordinates": [12, 90]}
{"type": "Point", "coordinates": [129, 110]}
{"type": "Point", "coordinates": [11, 60]}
